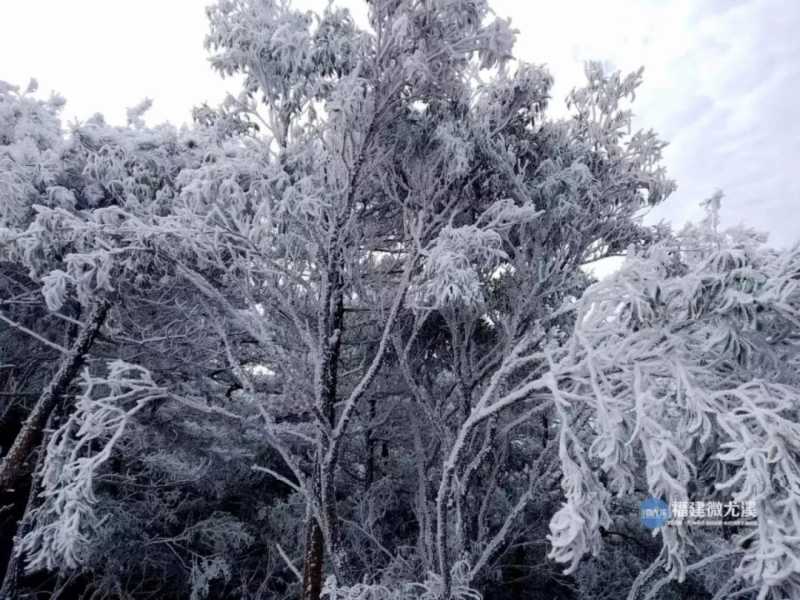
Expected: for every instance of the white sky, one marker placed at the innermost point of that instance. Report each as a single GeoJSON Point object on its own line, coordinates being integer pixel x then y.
{"type": "Point", "coordinates": [722, 78]}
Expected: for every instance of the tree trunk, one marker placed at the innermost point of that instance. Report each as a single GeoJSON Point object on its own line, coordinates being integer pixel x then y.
{"type": "Point", "coordinates": [16, 560]}
{"type": "Point", "coordinates": [16, 563]}
{"type": "Point", "coordinates": [331, 339]}
{"type": "Point", "coordinates": [331, 334]}
{"type": "Point", "coordinates": [15, 464]}
{"type": "Point", "coordinates": [312, 561]}
{"type": "Point", "coordinates": [369, 445]}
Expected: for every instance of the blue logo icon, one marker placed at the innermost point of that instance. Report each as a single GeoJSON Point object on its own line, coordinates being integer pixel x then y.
{"type": "Point", "coordinates": [654, 513]}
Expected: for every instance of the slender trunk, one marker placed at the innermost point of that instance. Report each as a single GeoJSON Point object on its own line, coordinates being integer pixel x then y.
{"type": "Point", "coordinates": [369, 446]}
{"type": "Point", "coordinates": [331, 338]}
{"type": "Point", "coordinates": [469, 527]}
{"type": "Point", "coordinates": [425, 539]}
{"type": "Point", "coordinates": [331, 333]}
{"type": "Point", "coordinates": [369, 467]}
{"type": "Point", "coordinates": [15, 464]}
{"type": "Point", "coordinates": [444, 501]}
{"type": "Point", "coordinates": [312, 560]}
{"type": "Point", "coordinates": [442, 506]}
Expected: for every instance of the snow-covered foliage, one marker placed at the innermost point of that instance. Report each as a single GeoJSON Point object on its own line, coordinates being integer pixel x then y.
{"type": "Point", "coordinates": [458, 266]}
{"type": "Point", "coordinates": [686, 361]}
{"type": "Point", "coordinates": [30, 145]}
{"type": "Point", "coordinates": [352, 351]}
{"type": "Point", "coordinates": [75, 456]}
{"type": "Point", "coordinates": [430, 589]}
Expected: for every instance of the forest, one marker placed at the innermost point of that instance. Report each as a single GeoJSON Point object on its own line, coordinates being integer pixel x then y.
{"type": "Point", "coordinates": [340, 339]}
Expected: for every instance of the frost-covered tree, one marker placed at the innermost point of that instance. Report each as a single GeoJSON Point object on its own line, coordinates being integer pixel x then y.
{"type": "Point", "coordinates": [366, 184]}
{"type": "Point", "coordinates": [62, 191]}
{"type": "Point", "coordinates": [31, 147]}
{"type": "Point", "coordinates": [350, 348]}
{"type": "Point", "coordinates": [685, 364]}
{"type": "Point", "coordinates": [396, 188]}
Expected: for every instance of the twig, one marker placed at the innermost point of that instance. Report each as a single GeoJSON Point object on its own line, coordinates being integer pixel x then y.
{"type": "Point", "coordinates": [33, 334]}
{"type": "Point", "coordinates": [289, 563]}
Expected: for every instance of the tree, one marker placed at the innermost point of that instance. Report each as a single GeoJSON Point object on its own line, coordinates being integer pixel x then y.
{"type": "Point", "coordinates": [412, 201]}
{"type": "Point", "coordinates": [60, 195]}
{"type": "Point", "coordinates": [685, 361]}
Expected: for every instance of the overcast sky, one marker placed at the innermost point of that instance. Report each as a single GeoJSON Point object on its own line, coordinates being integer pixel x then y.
{"type": "Point", "coordinates": [722, 78]}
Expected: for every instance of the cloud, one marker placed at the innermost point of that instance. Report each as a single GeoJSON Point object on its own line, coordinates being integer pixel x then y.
{"type": "Point", "coordinates": [722, 79]}
{"type": "Point", "coordinates": [745, 57]}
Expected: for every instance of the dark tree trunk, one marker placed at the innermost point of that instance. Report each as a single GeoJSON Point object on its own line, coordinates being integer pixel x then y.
{"type": "Point", "coordinates": [312, 561]}
{"type": "Point", "coordinates": [16, 463]}
{"type": "Point", "coordinates": [16, 560]}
